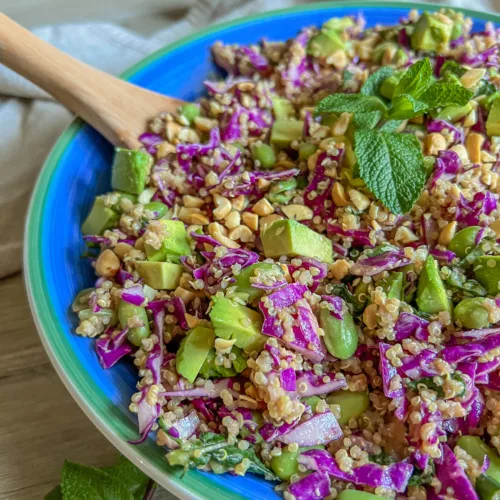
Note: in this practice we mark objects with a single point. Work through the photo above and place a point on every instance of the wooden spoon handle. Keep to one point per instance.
(117, 109)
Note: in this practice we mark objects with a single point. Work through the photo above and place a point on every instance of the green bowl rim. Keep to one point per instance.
(47, 326)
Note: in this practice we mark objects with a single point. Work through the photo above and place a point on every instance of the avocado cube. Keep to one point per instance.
(284, 132)
(174, 246)
(293, 239)
(431, 292)
(234, 321)
(282, 108)
(454, 113)
(160, 275)
(325, 44)
(100, 218)
(432, 30)
(338, 24)
(193, 351)
(389, 85)
(493, 121)
(130, 170)
(487, 272)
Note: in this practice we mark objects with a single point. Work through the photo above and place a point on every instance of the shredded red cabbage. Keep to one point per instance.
(314, 486)
(111, 349)
(321, 428)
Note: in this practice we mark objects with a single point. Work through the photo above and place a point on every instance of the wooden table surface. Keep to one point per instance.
(40, 423)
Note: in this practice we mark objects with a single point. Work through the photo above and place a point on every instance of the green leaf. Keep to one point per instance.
(391, 125)
(374, 81)
(392, 167)
(55, 494)
(349, 103)
(80, 482)
(416, 79)
(366, 120)
(129, 476)
(452, 68)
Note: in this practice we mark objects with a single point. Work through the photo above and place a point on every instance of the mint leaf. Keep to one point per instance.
(366, 120)
(416, 79)
(452, 68)
(439, 95)
(391, 125)
(55, 494)
(89, 483)
(374, 81)
(391, 166)
(349, 103)
(129, 476)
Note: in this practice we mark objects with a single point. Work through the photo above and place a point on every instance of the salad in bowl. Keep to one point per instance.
(303, 265)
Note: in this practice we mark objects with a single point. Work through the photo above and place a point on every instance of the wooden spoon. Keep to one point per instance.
(117, 109)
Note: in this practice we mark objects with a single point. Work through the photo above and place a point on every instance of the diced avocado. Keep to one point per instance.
(454, 113)
(174, 246)
(193, 351)
(234, 321)
(130, 170)
(99, 219)
(211, 370)
(393, 285)
(357, 495)
(487, 488)
(478, 450)
(458, 23)
(293, 239)
(379, 51)
(244, 283)
(160, 275)
(487, 272)
(284, 132)
(326, 43)
(338, 23)
(352, 404)
(431, 292)
(432, 31)
(493, 121)
(389, 85)
(283, 108)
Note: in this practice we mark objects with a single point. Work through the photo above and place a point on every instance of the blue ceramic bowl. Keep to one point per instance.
(76, 171)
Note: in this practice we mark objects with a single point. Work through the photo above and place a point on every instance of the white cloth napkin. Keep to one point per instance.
(30, 121)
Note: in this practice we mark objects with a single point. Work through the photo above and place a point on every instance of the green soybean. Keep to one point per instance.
(264, 154)
(472, 313)
(81, 301)
(157, 207)
(306, 150)
(190, 111)
(85, 314)
(478, 450)
(286, 464)
(362, 292)
(341, 335)
(464, 241)
(487, 272)
(311, 401)
(352, 404)
(137, 333)
(356, 495)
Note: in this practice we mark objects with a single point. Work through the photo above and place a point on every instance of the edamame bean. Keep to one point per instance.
(286, 464)
(85, 314)
(135, 334)
(264, 154)
(123, 196)
(190, 111)
(311, 401)
(282, 192)
(472, 313)
(464, 241)
(362, 292)
(478, 450)
(356, 495)
(487, 272)
(81, 301)
(341, 335)
(306, 150)
(352, 404)
(158, 208)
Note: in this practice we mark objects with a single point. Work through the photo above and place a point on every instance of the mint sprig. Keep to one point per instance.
(392, 167)
(122, 481)
(391, 163)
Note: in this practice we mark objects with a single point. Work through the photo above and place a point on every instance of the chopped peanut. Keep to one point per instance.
(224, 240)
(433, 143)
(192, 321)
(471, 77)
(370, 316)
(251, 220)
(495, 226)
(239, 203)
(107, 264)
(338, 195)
(263, 207)
(232, 220)
(447, 233)
(186, 295)
(242, 233)
(223, 206)
(461, 152)
(473, 143)
(121, 249)
(215, 227)
(360, 201)
(298, 212)
(164, 149)
(192, 201)
(342, 124)
(405, 235)
(340, 269)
